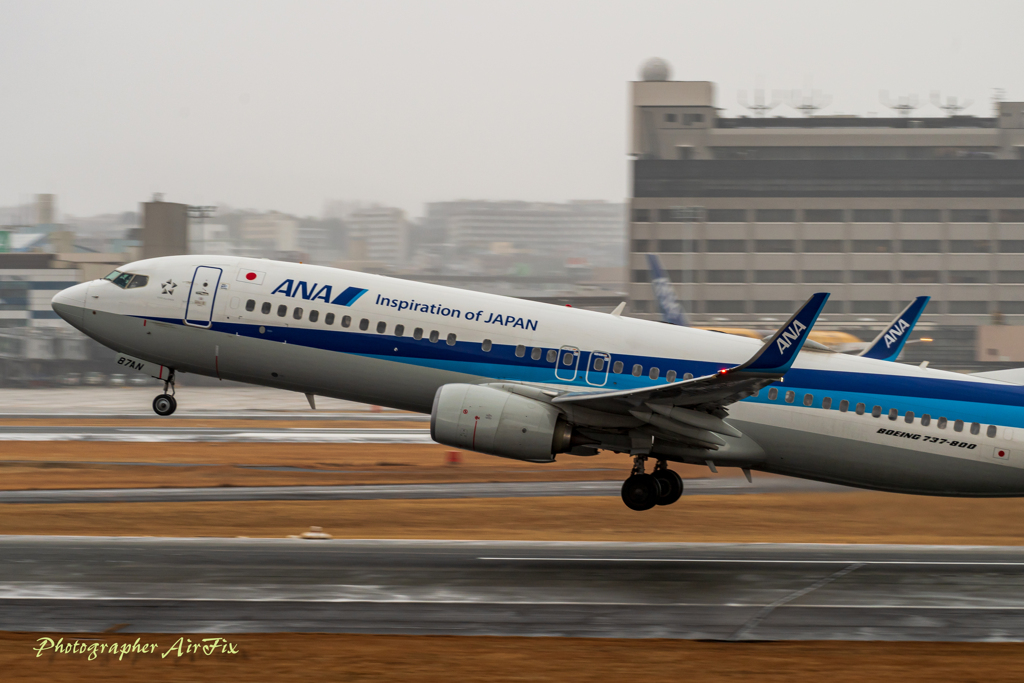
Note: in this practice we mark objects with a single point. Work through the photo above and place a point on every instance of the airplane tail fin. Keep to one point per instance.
(671, 311)
(888, 344)
(779, 352)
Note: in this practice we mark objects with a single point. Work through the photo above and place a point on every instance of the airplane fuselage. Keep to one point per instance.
(393, 342)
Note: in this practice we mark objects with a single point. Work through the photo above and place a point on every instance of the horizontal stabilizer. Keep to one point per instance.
(888, 344)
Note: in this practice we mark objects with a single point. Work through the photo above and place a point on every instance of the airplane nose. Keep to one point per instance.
(70, 303)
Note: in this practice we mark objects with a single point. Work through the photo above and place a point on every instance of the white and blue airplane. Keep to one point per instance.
(529, 381)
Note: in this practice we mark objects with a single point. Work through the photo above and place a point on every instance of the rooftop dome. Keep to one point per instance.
(655, 69)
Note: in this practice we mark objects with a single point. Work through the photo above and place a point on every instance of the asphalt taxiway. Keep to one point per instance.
(701, 591)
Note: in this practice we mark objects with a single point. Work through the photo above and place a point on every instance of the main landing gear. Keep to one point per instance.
(164, 404)
(643, 491)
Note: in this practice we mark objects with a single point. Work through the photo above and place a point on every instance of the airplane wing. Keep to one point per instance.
(889, 342)
(671, 311)
(726, 386)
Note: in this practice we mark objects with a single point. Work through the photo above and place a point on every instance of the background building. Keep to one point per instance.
(164, 228)
(751, 215)
(378, 235)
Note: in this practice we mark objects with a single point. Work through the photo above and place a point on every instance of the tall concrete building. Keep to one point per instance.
(269, 234)
(751, 215)
(592, 229)
(164, 228)
(378, 234)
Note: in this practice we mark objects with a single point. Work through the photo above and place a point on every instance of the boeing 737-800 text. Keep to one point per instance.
(529, 381)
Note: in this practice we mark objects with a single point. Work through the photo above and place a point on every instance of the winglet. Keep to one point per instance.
(671, 311)
(779, 352)
(889, 342)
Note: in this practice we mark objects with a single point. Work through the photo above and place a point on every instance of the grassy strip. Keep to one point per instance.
(305, 657)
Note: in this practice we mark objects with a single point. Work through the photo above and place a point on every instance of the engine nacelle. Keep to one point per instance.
(499, 423)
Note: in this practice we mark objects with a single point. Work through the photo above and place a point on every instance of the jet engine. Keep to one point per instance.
(499, 423)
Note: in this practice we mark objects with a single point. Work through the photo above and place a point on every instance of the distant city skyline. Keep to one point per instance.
(287, 107)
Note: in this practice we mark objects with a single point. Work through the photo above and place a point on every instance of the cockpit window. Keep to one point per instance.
(120, 279)
(127, 280)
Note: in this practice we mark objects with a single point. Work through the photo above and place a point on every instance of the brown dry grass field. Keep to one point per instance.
(70, 464)
(862, 517)
(190, 423)
(315, 657)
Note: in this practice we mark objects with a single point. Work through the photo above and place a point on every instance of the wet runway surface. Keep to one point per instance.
(707, 591)
(215, 435)
(719, 486)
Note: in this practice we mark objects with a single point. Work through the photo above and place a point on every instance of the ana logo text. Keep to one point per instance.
(317, 292)
(791, 334)
(895, 332)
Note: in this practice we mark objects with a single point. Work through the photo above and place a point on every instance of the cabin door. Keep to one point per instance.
(597, 368)
(201, 295)
(567, 364)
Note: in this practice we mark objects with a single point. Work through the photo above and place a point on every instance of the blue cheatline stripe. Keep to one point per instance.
(973, 402)
(349, 296)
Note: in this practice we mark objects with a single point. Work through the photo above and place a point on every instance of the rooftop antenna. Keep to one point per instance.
(759, 107)
(902, 105)
(809, 102)
(953, 105)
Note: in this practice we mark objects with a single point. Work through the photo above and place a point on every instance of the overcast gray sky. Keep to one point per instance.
(285, 105)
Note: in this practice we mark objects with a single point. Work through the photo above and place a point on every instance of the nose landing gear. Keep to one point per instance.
(643, 491)
(165, 404)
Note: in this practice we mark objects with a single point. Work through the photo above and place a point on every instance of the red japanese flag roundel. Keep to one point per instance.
(254, 277)
(1000, 454)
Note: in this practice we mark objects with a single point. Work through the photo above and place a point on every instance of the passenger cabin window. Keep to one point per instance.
(535, 354)
(876, 411)
(909, 417)
(346, 321)
(808, 399)
(314, 316)
(670, 376)
(942, 423)
(687, 375)
(138, 281)
(637, 370)
(250, 305)
(860, 408)
(552, 355)
(382, 327)
(265, 309)
(653, 374)
(773, 394)
(364, 324)
(520, 351)
(617, 367)
(844, 405)
(417, 333)
(893, 413)
(975, 428)
(297, 314)
(451, 339)
(926, 420)
(826, 403)
(329, 319)
(958, 426)
(486, 346)
(282, 311)
(434, 336)
(991, 432)
(790, 396)
(399, 330)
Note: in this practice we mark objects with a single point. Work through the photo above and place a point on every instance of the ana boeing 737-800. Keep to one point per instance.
(529, 381)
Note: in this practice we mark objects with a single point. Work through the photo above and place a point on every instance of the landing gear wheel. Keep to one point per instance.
(670, 486)
(164, 405)
(640, 492)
